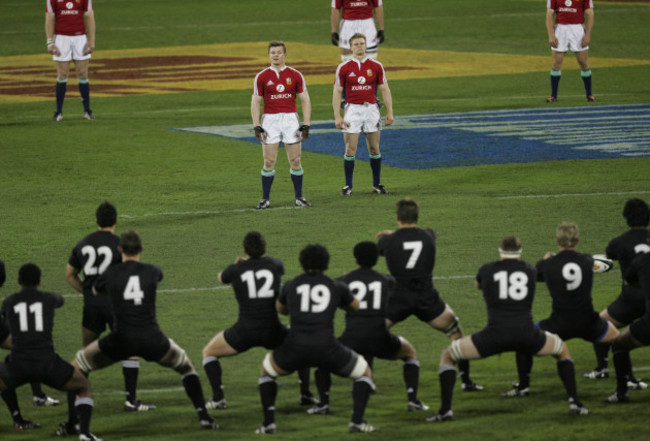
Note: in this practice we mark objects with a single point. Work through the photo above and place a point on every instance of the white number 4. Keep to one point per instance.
(133, 290)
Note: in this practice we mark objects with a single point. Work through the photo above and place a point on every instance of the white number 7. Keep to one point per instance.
(416, 248)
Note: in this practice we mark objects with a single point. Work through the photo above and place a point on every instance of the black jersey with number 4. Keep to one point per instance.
(312, 300)
(131, 287)
(508, 289)
(627, 246)
(29, 315)
(256, 283)
(93, 255)
(569, 276)
(410, 256)
(372, 290)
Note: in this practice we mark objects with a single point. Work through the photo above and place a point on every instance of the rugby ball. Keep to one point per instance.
(602, 264)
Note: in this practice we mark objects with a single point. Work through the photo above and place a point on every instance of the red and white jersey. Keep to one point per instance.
(356, 9)
(279, 89)
(360, 80)
(69, 15)
(569, 11)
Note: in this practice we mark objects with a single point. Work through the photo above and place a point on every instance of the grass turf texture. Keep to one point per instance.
(54, 175)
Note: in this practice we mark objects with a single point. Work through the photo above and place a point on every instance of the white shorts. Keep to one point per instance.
(362, 118)
(71, 47)
(347, 28)
(281, 127)
(569, 38)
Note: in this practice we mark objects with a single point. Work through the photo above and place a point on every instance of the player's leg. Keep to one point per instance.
(268, 389)
(410, 373)
(355, 367)
(81, 69)
(556, 74)
(79, 385)
(11, 400)
(372, 141)
(294, 153)
(635, 336)
(62, 73)
(351, 143)
(585, 72)
(270, 154)
(448, 322)
(217, 347)
(323, 379)
(40, 398)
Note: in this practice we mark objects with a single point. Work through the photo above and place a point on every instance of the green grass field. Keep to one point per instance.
(192, 197)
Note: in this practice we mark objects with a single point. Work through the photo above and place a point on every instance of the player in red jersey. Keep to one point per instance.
(356, 16)
(278, 86)
(68, 38)
(360, 78)
(569, 24)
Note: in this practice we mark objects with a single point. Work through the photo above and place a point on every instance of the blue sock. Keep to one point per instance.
(348, 166)
(296, 178)
(556, 75)
(84, 90)
(267, 181)
(61, 87)
(586, 78)
(375, 165)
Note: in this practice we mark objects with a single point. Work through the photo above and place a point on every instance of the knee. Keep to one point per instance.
(445, 358)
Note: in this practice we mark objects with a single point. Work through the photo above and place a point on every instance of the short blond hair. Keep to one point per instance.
(356, 37)
(567, 234)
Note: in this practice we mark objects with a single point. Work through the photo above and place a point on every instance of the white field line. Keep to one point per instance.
(571, 195)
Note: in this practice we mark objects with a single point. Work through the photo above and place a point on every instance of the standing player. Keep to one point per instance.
(508, 289)
(569, 276)
(93, 255)
(278, 86)
(410, 256)
(351, 17)
(131, 287)
(637, 334)
(68, 38)
(30, 318)
(569, 24)
(630, 304)
(311, 300)
(256, 282)
(366, 331)
(360, 77)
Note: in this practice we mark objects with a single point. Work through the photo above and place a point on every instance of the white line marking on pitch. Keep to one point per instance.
(570, 195)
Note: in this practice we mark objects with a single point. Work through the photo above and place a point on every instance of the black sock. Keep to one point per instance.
(192, 385)
(9, 397)
(37, 390)
(360, 393)
(84, 410)
(213, 370)
(447, 379)
(411, 374)
(623, 366)
(323, 383)
(84, 91)
(61, 88)
(268, 391)
(463, 370)
(602, 350)
(130, 370)
(73, 418)
(348, 168)
(566, 371)
(524, 366)
(303, 381)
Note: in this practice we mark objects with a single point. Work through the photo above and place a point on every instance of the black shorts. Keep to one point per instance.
(150, 345)
(425, 305)
(4, 331)
(97, 318)
(641, 330)
(591, 328)
(242, 337)
(628, 306)
(51, 370)
(529, 340)
(333, 357)
(382, 344)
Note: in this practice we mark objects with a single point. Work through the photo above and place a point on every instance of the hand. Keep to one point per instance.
(384, 233)
(89, 49)
(260, 133)
(335, 38)
(305, 132)
(53, 50)
(553, 41)
(340, 123)
(380, 36)
(585, 41)
(389, 119)
(549, 254)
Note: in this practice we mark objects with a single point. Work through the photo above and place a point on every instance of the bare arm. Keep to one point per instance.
(281, 308)
(305, 102)
(334, 20)
(90, 31)
(550, 27)
(336, 106)
(589, 25)
(72, 276)
(388, 102)
(256, 103)
(49, 33)
(379, 17)
(354, 306)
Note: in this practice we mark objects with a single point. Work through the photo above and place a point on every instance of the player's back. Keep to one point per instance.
(410, 256)
(93, 255)
(509, 290)
(627, 246)
(569, 276)
(30, 318)
(312, 300)
(372, 289)
(132, 287)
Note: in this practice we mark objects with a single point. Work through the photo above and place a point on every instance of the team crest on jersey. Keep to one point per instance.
(288, 81)
(369, 72)
(361, 80)
(568, 3)
(280, 88)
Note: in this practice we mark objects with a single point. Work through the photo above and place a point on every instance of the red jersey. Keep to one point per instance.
(356, 9)
(569, 11)
(360, 80)
(279, 89)
(69, 15)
